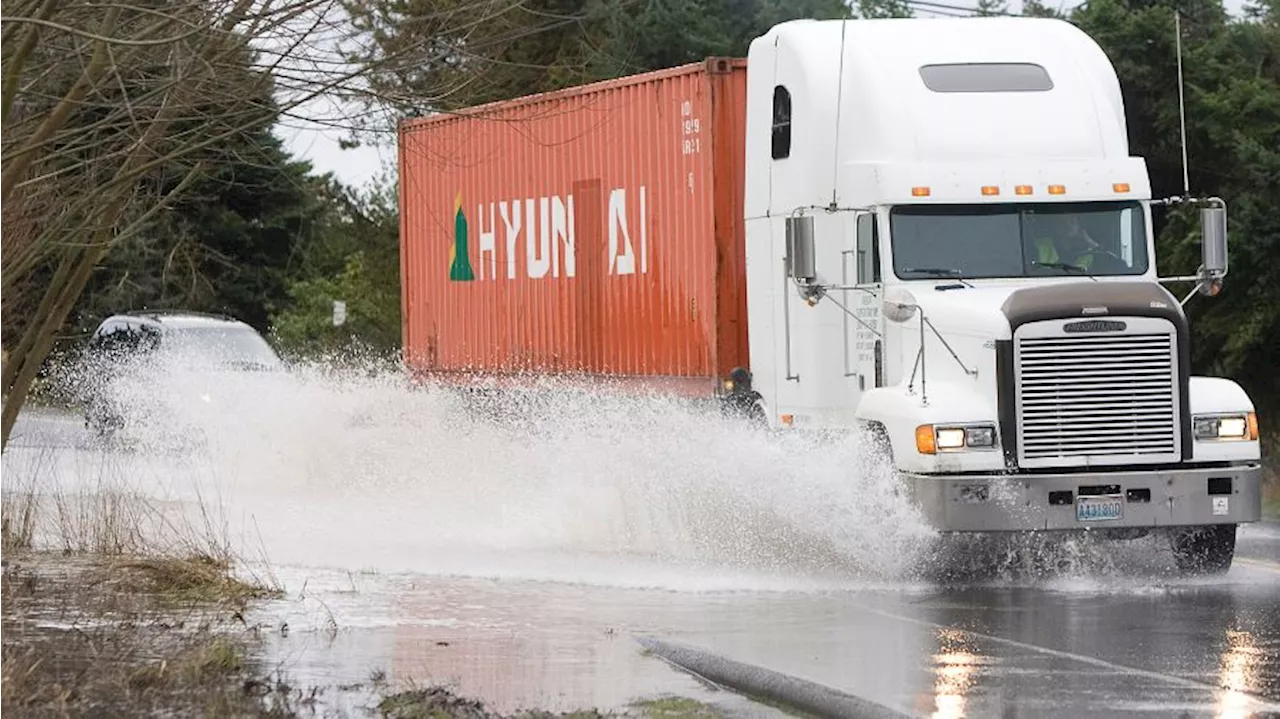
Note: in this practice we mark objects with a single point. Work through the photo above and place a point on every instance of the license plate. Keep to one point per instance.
(1099, 509)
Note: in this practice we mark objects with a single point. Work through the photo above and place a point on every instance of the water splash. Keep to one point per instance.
(360, 468)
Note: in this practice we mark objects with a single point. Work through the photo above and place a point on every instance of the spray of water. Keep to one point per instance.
(360, 468)
(350, 466)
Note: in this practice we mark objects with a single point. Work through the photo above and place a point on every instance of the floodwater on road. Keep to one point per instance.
(1072, 648)
(520, 563)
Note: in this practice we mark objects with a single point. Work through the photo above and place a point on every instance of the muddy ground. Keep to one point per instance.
(119, 636)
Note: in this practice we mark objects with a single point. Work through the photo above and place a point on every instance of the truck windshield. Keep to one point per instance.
(1022, 240)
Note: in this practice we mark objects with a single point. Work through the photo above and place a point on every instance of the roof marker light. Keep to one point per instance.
(1120, 187)
(919, 192)
(1057, 190)
(990, 190)
(1023, 189)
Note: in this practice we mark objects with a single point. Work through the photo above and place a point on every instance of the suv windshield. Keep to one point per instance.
(236, 346)
(1022, 240)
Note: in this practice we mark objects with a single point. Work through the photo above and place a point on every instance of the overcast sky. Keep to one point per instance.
(320, 144)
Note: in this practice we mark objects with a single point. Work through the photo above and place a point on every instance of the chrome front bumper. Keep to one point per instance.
(999, 503)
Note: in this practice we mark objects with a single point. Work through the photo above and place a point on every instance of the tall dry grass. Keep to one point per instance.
(104, 515)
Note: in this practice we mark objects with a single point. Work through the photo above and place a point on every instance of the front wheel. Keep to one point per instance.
(1204, 550)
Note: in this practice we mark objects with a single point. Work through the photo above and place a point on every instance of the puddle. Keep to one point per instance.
(515, 645)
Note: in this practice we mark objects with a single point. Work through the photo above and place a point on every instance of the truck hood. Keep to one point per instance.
(990, 312)
(969, 311)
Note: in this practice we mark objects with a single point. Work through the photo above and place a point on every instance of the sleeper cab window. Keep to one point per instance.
(781, 123)
(986, 77)
(868, 244)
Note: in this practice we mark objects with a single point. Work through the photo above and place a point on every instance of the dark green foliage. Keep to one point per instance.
(226, 246)
(354, 258)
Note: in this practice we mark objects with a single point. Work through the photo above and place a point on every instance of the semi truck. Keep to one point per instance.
(930, 231)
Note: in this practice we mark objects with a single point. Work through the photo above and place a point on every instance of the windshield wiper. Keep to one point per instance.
(935, 271)
(941, 272)
(1066, 266)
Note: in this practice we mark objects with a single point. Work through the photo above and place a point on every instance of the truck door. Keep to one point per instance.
(863, 331)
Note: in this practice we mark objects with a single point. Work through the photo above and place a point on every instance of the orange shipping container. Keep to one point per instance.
(596, 230)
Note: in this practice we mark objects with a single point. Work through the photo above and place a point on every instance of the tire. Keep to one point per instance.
(101, 421)
(1207, 550)
(880, 449)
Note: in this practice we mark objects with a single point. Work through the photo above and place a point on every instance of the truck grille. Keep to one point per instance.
(1097, 397)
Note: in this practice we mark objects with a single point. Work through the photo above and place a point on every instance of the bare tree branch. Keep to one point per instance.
(104, 38)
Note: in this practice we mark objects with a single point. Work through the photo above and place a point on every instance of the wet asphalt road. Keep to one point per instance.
(1081, 648)
(1130, 641)
(40, 428)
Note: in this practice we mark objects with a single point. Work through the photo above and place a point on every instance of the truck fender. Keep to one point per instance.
(893, 414)
(1210, 395)
(1218, 395)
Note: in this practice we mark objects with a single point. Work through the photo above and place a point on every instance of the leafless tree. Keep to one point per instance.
(111, 110)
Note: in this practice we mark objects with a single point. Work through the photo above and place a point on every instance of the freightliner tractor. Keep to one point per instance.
(949, 244)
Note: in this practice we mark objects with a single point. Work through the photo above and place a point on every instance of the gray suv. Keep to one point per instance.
(137, 341)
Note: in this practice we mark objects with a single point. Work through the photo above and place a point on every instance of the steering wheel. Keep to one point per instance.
(1118, 266)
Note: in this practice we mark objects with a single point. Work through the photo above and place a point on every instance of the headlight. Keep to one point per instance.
(950, 438)
(1226, 427)
(932, 439)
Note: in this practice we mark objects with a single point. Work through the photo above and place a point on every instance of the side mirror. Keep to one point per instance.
(800, 252)
(1213, 228)
(898, 312)
(899, 306)
(1213, 249)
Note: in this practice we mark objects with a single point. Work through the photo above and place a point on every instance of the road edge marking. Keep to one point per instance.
(1259, 564)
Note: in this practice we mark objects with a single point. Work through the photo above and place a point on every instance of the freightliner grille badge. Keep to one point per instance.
(1095, 326)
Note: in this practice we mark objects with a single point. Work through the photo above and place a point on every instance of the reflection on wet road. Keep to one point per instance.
(1129, 640)
(1077, 648)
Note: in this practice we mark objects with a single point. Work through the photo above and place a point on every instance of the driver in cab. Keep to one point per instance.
(1061, 241)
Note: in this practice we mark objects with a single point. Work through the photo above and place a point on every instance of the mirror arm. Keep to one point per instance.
(915, 367)
(856, 318)
(855, 288)
(1194, 291)
(963, 366)
(1207, 281)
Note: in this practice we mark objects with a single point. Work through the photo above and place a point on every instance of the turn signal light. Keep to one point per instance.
(924, 440)
(1057, 190)
(1253, 426)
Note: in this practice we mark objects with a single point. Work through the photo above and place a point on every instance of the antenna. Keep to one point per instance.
(1182, 110)
(1213, 219)
(835, 169)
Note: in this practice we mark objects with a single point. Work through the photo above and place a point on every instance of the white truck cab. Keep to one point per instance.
(948, 243)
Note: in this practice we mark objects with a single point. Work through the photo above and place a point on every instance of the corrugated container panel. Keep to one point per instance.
(596, 230)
